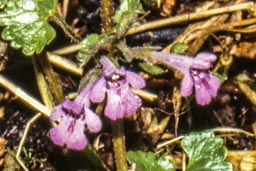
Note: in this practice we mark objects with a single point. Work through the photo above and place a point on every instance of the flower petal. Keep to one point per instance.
(74, 139)
(114, 108)
(83, 99)
(83, 95)
(206, 56)
(97, 93)
(179, 62)
(203, 60)
(132, 102)
(72, 106)
(57, 113)
(202, 95)
(135, 80)
(108, 67)
(121, 71)
(77, 139)
(187, 83)
(208, 88)
(58, 135)
(92, 120)
(200, 65)
(214, 84)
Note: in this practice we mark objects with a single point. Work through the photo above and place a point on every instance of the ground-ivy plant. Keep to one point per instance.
(110, 92)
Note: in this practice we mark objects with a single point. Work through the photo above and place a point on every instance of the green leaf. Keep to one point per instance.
(179, 48)
(26, 25)
(125, 16)
(152, 69)
(206, 152)
(149, 162)
(127, 7)
(90, 45)
(89, 41)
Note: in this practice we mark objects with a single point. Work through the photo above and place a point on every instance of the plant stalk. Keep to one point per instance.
(119, 145)
(66, 28)
(107, 12)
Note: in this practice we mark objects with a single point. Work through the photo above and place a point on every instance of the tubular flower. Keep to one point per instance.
(72, 116)
(195, 73)
(116, 83)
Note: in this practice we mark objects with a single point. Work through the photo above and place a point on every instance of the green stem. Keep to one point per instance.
(66, 28)
(107, 11)
(119, 145)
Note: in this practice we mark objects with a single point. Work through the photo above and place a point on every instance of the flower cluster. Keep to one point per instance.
(73, 116)
(195, 72)
(115, 83)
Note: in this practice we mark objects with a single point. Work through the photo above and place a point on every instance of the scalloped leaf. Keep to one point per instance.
(206, 152)
(146, 161)
(26, 25)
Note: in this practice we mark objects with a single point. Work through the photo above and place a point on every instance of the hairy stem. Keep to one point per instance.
(66, 28)
(119, 145)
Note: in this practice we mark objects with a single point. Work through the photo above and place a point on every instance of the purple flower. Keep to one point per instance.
(116, 84)
(195, 73)
(72, 117)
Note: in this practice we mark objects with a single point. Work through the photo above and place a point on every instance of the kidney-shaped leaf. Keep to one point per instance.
(206, 152)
